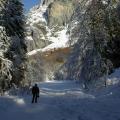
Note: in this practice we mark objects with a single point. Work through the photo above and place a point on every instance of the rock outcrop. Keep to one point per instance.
(88, 29)
(44, 40)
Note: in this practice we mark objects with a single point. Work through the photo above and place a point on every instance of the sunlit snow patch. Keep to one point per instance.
(114, 78)
(19, 101)
(58, 42)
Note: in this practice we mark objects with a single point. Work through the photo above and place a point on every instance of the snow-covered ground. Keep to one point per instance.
(58, 102)
(64, 100)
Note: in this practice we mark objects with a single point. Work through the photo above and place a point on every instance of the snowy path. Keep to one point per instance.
(63, 101)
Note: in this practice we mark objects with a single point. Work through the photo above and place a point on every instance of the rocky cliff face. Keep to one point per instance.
(60, 12)
(47, 34)
(47, 2)
(79, 35)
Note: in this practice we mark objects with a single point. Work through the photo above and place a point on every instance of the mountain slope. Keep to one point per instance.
(82, 26)
(42, 37)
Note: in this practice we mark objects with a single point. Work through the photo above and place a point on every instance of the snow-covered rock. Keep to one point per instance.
(41, 38)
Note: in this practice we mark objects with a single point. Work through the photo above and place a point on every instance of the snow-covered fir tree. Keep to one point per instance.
(94, 28)
(12, 44)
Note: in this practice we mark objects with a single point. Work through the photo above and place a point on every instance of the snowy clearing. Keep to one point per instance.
(63, 100)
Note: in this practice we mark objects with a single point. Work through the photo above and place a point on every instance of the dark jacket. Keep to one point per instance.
(35, 90)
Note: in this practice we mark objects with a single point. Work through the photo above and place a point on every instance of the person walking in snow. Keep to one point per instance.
(35, 93)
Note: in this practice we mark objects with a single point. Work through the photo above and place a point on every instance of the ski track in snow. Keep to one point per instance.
(63, 100)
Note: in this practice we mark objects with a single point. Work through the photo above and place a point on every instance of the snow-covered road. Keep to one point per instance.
(63, 100)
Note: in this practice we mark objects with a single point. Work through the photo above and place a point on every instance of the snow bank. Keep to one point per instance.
(114, 78)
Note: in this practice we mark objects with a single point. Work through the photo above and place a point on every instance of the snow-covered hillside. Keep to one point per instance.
(36, 21)
(43, 40)
(56, 42)
(64, 100)
(57, 24)
(36, 15)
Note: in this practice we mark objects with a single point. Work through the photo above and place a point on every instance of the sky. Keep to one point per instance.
(30, 3)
